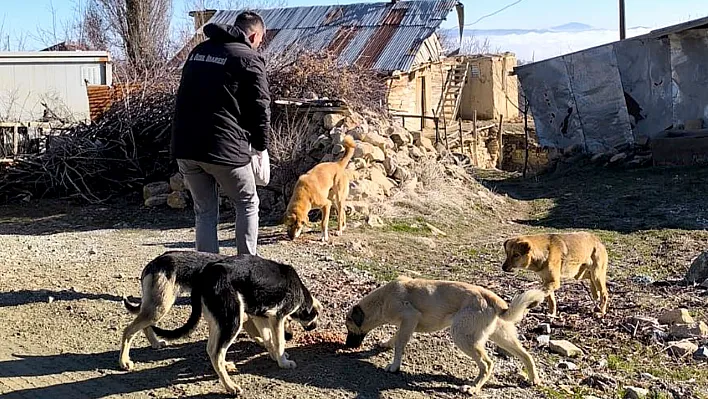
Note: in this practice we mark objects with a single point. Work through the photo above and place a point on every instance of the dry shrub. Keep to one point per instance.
(322, 74)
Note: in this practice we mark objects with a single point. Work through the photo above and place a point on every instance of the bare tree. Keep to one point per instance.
(136, 28)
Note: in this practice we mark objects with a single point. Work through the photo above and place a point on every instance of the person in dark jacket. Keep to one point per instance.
(222, 118)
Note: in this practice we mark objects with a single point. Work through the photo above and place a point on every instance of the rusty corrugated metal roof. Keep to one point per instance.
(382, 36)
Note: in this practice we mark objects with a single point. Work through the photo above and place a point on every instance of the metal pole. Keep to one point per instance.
(623, 33)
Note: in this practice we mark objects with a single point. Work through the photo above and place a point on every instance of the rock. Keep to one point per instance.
(337, 149)
(403, 158)
(567, 366)
(698, 271)
(50, 299)
(337, 135)
(683, 331)
(378, 140)
(92, 251)
(156, 188)
(618, 158)
(564, 348)
(374, 221)
(704, 284)
(357, 133)
(379, 177)
(409, 185)
(369, 152)
(401, 174)
(590, 397)
(400, 136)
(157, 200)
(390, 165)
(676, 316)
(701, 354)
(330, 121)
(364, 189)
(177, 200)
(643, 280)
(543, 328)
(177, 182)
(681, 348)
(635, 393)
(415, 153)
(359, 163)
(426, 143)
(358, 207)
(543, 340)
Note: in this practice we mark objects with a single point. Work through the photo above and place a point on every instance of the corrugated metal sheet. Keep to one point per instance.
(610, 95)
(383, 36)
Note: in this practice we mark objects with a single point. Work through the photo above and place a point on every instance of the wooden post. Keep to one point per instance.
(623, 32)
(15, 141)
(462, 140)
(474, 138)
(500, 159)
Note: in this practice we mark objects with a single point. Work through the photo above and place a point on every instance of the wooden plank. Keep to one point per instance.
(500, 134)
(474, 137)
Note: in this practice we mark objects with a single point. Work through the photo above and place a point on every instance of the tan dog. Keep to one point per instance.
(474, 315)
(579, 255)
(320, 187)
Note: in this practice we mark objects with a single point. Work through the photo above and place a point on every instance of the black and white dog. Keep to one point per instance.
(162, 280)
(246, 287)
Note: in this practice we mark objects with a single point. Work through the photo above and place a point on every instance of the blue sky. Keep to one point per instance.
(23, 17)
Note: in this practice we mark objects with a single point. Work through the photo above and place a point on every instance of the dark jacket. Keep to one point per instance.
(223, 101)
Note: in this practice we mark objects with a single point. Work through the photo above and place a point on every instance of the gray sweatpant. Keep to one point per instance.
(239, 185)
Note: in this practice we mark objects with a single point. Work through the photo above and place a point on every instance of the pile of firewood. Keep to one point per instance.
(126, 148)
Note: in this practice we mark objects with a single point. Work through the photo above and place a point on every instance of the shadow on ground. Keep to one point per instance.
(56, 216)
(319, 365)
(618, 200)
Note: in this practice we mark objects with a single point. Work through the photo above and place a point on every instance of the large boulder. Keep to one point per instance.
(177, 200)
(177, 182)
(379, 177)
(156, 188)
(698, 272)
(330, 121)
(369, 152)
(363, 189)
(378, 140)
(400, 136)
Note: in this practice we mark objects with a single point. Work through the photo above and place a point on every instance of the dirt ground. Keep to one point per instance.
(65, 269)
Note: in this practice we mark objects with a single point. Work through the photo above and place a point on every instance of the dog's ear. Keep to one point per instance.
(287, 219)
(506, 244)
(357, 316)
(523, 247)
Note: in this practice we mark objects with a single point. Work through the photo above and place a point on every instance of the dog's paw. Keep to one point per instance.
(230, 367)
(232, 388)
(287, 364)
(127, 365)
(338, 232)
(393, 368)
(275, 357)
(159, 344)
(469, 390)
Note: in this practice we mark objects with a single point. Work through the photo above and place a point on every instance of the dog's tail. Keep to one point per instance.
(520, 303)
(187, 328)
(131, 307)
(350, 146)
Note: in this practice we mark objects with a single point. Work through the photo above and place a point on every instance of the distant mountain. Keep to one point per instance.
(572, 27)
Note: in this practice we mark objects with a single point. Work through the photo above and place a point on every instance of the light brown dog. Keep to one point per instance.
(321, 187)
(554, 257)
(474, 315)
